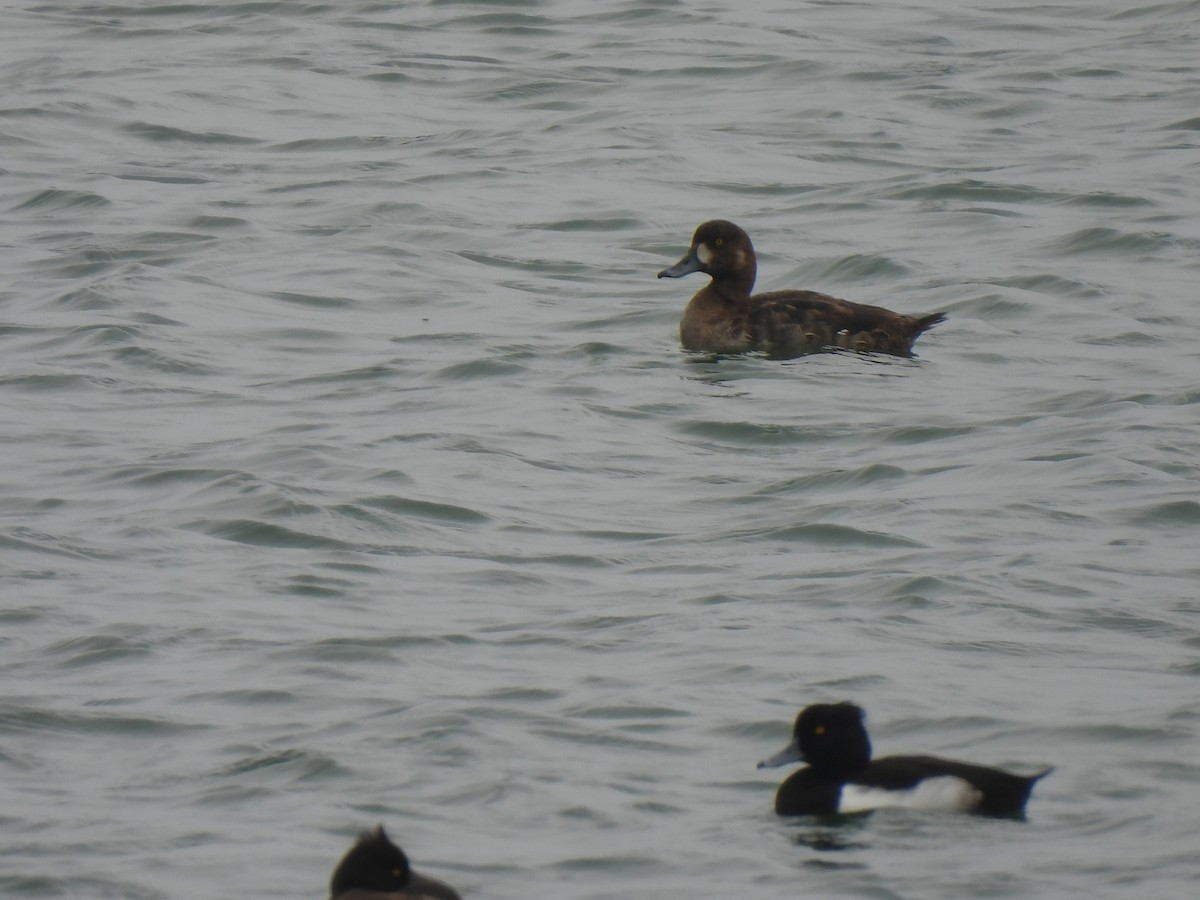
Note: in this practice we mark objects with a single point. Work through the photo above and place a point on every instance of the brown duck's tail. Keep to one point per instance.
(924, 323)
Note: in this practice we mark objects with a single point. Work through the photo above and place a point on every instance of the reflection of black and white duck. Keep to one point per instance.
(841, 777)
(724, 317)
(376, 869)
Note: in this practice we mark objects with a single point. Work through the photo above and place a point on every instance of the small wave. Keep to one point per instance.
(830, 535)
(53, 200)
(161, 134)
(1100, 240)
(15, 719)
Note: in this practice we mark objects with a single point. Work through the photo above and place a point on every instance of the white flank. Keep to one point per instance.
(944, 793)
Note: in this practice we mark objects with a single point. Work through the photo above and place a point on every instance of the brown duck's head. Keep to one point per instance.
(720, 249)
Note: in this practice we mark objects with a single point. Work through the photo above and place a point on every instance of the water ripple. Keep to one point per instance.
(355, 473)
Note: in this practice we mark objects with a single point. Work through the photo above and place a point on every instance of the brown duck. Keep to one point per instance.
(725, 318)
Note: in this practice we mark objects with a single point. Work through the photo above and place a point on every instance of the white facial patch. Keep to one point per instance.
(942, 794)
(704, 254)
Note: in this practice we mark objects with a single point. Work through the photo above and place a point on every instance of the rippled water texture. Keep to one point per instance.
(353, 472)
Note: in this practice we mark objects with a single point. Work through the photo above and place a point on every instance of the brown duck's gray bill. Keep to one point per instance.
(685, 266)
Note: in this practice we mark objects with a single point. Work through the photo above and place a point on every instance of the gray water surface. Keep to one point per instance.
(353, 472)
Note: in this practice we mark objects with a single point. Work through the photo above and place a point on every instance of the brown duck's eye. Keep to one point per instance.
(820, 729)
(719, 241)
(396, 873)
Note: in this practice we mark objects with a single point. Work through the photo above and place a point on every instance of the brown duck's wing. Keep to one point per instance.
(791, 323)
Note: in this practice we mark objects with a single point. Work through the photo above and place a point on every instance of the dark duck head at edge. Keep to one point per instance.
(376, 869)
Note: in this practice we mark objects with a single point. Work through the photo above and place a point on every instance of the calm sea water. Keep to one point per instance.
(353, 473)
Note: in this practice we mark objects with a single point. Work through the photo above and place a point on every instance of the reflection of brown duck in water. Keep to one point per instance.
(724, 318)
(376, 869)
